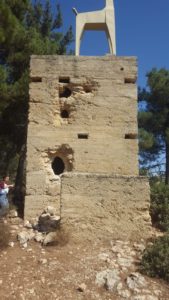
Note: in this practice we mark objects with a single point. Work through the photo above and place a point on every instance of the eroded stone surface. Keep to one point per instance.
(83, 120)
(81, 110)
(105, 206)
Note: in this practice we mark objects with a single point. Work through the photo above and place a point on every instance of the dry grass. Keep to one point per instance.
(4, 235)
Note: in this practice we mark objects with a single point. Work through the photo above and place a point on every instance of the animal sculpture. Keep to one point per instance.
(97, 20)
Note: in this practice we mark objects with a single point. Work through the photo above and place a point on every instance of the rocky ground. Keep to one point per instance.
(92, 270)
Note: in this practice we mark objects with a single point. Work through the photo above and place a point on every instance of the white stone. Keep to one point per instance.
(43, 280)
(50, 238)
(31, 235)
(51, 210)
(135, 281)
(124, 294)
(82, 287)
(125, 262)
(24, 245)
(39, 237)
(31, 291)
(23, 237)
(144, 297)
(108, 278)
(55, 218)
(103, 256)
(139, 247)
(13, 213)
(28, 225)
(43, 261)
(45, 215)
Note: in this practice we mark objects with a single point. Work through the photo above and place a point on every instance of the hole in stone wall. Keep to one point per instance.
(64, 114)
(83, 135)
(121, 69)
(131, 136)
(87, 89)
(58, 165)
(36, 79)
(65, 92)
(129, 80)
(64, 79)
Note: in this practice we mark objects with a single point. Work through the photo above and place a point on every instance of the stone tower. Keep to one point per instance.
(82, 147)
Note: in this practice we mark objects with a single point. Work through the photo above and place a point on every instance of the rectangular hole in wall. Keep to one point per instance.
(63, 79)
(36, 79)
(83, 136)
(130, 80)
(131, 136)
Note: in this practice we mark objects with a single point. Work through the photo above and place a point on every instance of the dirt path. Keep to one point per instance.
(69, 272)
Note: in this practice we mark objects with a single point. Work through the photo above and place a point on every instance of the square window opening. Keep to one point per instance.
(64, 79)
(83, 136)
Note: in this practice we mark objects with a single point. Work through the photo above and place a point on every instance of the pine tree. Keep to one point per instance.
(154, 118)
(25, 29)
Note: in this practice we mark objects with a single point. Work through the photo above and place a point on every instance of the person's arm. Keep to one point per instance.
(10, 185)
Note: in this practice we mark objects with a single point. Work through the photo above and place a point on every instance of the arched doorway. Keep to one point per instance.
(58, 165)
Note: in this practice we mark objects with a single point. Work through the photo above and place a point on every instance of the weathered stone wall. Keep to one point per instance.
(102, 105)
(98, 206)
(83, 111)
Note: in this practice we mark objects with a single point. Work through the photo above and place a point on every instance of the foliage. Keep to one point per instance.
(26, 28)
(154, 119)
(159, 208)
(155, 260)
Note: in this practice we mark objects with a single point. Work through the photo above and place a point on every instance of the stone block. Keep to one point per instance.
(102, 206)
(36, 204)
(36, 183)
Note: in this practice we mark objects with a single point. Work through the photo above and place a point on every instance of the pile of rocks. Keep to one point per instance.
(42, 230)
(122, 277)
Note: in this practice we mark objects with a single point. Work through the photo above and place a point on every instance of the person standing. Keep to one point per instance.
(4, 189)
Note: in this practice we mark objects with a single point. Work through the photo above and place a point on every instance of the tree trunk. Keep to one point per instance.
(19, 193)
(167, 163)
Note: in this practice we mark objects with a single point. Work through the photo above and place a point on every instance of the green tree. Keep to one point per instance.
(26, 28)
(155, 260)
(154, 119)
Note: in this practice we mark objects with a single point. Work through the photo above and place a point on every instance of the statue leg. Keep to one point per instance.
(109, 41)
(79, 33)
(111, 34)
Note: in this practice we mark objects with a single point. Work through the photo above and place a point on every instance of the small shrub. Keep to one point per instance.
(159, 208)
(155, 260)
(4, 235)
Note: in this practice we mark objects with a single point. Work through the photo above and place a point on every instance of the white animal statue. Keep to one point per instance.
(97, 20)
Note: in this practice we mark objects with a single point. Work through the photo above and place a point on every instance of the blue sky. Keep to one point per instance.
(142, 30)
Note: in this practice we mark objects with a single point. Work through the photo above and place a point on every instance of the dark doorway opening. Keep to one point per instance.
(65, 93)
(64, 114)
(58, 165)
